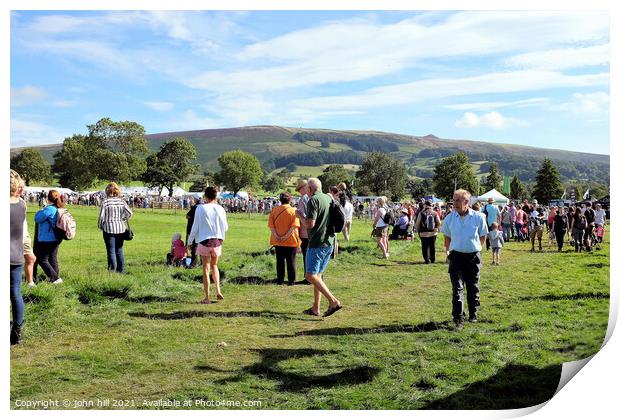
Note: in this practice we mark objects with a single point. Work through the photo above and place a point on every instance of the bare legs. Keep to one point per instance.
(29, 267)
(384, 245)
(320, 288)
(209, 264)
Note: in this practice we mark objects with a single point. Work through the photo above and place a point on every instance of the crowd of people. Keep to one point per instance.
(305, 224)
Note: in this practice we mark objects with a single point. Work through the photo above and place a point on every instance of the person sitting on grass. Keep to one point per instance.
(401, 225)
(496, 241)
(209, 229)
(177, 253)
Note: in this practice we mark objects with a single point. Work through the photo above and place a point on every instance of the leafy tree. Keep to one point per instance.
(383, 175)
(517, 189)
(454, 172)
(494, 179)
(419, 188)
(174, 164)
(291, 167)
(272, 183)
(239, 170)
(334, 175)
(548, 185)
(202, 182)
(77, 163)
(31, 166)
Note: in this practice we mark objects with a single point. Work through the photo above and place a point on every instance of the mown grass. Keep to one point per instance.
(142, 337)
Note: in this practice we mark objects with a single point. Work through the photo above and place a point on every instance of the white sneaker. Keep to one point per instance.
(57, 281)
(33, 284)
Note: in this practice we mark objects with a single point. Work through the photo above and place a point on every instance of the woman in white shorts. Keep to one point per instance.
(208, 231)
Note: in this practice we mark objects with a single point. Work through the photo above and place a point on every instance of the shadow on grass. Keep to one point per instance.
(151, 299)
(396, 328)
(204, 314)
(267, 368)
(193, 275)
(270, 251)
(514, 386)
(575, 296)
(597, 265)
(251, 280)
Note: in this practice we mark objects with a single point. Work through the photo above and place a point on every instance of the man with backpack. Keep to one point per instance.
(427, 224)
(589, 215)
(321, 234)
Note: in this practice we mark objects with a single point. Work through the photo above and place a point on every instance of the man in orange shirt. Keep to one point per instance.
(284, 225)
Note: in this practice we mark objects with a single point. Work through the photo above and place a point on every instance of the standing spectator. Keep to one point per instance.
(491, 211)
(550, 216)
(497, 240)
(17, 218)
(380, 228)
(302, 204)
(506, 219)
(520, 218)
(284, 225)
(513, 216)
(465, 231)
(348, 219)
(427, 224)
(599, 221)
(209, 230)
(29, 258)
(188, 228)
(320, 244)
(559, 227)
(46, 244)
(113, 216)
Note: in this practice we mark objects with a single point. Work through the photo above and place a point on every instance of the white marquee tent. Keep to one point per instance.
(500, 199)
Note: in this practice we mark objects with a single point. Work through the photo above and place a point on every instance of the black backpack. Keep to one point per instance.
(335, 222)
(388, 219)
(427, 224)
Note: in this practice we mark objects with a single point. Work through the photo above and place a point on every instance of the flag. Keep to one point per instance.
(563, 195)
(587, 194)
(506, 188)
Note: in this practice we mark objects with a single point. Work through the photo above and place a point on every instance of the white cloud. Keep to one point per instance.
(586, 103)
(424, 90)
(559, 59)
(160, 106)
(25, 132)
(493, 120)
(190, 120)
(484, 106)
(27, 95)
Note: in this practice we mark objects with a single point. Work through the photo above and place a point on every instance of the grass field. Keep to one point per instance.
(140, 337)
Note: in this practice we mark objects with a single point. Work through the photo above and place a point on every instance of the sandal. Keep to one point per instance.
(220, 297)
(332, 309)
(309, 312)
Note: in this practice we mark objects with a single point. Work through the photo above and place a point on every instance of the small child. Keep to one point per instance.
(600, 233)
(497, 240)
(178, 252)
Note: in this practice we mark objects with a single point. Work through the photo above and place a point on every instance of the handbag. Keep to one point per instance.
(128, 234)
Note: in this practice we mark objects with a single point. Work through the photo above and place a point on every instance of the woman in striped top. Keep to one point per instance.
(113, 215)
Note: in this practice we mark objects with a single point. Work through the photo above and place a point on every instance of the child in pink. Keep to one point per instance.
(178, 252)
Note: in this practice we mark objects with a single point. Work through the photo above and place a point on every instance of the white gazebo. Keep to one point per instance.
(500, 199)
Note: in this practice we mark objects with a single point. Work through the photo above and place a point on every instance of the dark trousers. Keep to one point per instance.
(17, 302)
(428, 249)
(285, 254)
(464, 272)
(559, 237)
(304, 249)
(47, 258)
(114, 248)
(520, 236)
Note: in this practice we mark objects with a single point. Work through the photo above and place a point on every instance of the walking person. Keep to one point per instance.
(579, 229)
(491, 211)
(113, 216)
(46, 244)
(506, 219)
(348, 218)
(29, 257)
(559, 227)
(427, 225)
(537, 229)
(209, 230)
(320, 245)
(520, 219)
(188, 228)
(17, 219)
(284, 225)
(497, 241)
(465, 231)
(380, 227)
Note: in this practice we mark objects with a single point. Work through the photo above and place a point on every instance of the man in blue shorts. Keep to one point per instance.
(320, 246)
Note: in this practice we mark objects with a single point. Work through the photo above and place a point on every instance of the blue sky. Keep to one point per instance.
(531, 78)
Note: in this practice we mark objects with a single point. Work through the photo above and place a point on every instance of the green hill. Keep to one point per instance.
(278, 147)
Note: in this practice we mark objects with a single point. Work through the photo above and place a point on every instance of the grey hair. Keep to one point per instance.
(315, 184)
